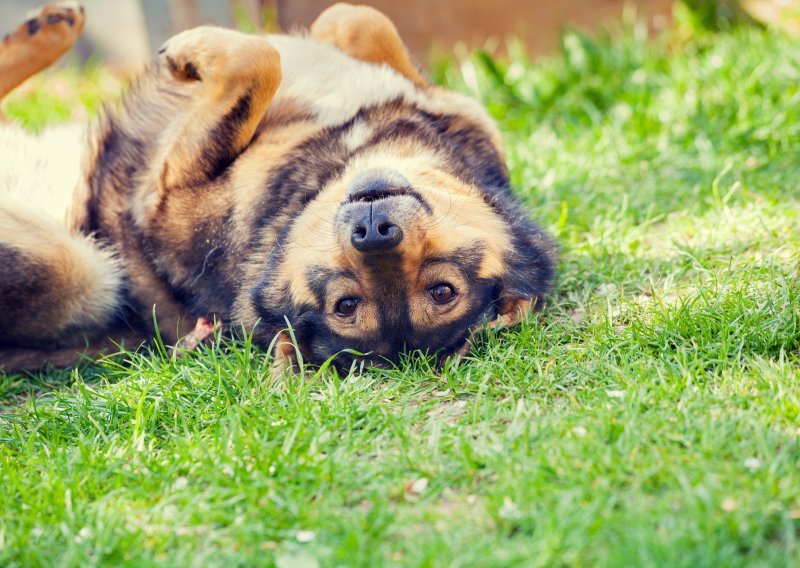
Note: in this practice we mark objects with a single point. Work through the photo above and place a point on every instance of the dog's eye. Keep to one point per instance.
(346, 306)
(442, 293)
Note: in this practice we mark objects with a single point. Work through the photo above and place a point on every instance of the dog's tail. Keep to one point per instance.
(38, 43)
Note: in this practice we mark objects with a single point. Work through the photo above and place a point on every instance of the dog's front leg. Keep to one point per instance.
(228, 80)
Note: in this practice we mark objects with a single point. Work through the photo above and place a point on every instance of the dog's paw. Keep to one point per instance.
(216, 54)
(197, 53)
(52, 30)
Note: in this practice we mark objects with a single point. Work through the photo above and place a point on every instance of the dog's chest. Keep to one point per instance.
(329, 85)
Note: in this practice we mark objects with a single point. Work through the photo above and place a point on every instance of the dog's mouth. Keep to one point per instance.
(374, 194)
(371, 195)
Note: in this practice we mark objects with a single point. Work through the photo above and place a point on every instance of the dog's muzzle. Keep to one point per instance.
(376, 207)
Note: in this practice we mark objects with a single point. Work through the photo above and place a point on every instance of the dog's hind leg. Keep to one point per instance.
(367, 34)
(37, 43)
(56, 288)
(226, 80)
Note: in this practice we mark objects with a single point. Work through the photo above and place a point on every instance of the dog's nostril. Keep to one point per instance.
(360, 232)
(384, 229)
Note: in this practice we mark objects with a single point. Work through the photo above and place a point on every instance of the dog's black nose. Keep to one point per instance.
(374, 231)
(372, 203)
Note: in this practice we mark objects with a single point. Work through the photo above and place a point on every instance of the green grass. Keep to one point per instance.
(649, 417)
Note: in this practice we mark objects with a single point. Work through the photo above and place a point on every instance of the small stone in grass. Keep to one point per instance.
(606, 290)
(305, 536)
(752, 463)
(415, 489)
(419, 486)
(509, 510)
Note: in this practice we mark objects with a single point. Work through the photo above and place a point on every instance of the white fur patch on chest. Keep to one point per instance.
(333, 85)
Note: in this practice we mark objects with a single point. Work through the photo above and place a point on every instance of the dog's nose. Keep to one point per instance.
(374, 231)
(372, 201)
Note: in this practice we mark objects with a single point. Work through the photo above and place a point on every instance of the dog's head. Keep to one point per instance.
(415, 245)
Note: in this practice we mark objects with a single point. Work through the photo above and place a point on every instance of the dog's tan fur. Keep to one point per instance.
(224, 187)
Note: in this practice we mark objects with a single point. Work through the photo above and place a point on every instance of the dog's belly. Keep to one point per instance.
(329, 84)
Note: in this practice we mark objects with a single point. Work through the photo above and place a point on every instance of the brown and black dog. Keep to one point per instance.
(317, 181)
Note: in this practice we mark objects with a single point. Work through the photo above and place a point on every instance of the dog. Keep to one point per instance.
(315, 190)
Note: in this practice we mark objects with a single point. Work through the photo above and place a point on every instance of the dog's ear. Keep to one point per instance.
(511, 311)
(529, 275)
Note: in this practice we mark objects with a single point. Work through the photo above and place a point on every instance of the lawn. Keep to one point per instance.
(649, 416)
